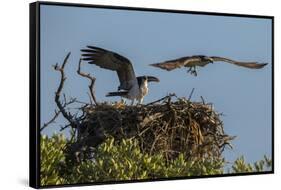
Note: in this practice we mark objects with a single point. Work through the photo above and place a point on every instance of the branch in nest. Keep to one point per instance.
(60, 105)
(161, 99)
(190, 95)
(92, 84)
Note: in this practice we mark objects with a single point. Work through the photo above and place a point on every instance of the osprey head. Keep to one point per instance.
(151, 79)
(145, 79)
(208, 59)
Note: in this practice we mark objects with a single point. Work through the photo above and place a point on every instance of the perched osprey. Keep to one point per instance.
(202, 60)
(131, 87)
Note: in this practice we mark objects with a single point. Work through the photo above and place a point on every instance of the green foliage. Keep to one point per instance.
(123, 160)
(51, 155)
(240, 165)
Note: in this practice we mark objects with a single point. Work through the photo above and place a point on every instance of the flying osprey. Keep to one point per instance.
(202, 60)
(131, 87)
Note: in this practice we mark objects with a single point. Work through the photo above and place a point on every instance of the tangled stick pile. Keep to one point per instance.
(165, 126)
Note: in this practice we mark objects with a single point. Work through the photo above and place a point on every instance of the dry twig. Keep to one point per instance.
(51, 120)
(91, 78)
(61, 106)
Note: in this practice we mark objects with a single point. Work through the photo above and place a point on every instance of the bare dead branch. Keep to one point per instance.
(203, 101)
(51, 120)
(64, 127)
(57, 112)
(71, 101)
(91, 102)
(91, 78)
(161, 99)
(61, 106)
(191, 93)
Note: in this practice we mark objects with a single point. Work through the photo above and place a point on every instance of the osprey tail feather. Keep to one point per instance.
(121, 93)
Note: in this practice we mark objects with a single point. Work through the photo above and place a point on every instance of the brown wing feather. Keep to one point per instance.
(251, 65)
(112, 61)
(178, 63)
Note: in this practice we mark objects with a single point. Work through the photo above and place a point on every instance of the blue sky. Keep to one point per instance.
(243, 95)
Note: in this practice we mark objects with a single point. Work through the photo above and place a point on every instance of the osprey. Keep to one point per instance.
(202, 60)
(131, 87)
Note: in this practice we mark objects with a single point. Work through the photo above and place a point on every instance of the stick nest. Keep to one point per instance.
(165, 126)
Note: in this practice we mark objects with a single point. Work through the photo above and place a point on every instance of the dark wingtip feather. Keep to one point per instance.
(96, 48)
(154, 64)
(86, 50)
(90, 51)
(91, 47)
(87, 55)
(261, 65)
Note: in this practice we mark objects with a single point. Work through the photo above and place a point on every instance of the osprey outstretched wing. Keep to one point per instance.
(201, 60)
(131, 87)
(251, 65)
(111, 61)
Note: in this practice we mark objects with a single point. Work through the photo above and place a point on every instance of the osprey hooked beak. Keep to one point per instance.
(152, 79)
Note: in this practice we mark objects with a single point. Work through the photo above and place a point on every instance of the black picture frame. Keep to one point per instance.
(34, 82)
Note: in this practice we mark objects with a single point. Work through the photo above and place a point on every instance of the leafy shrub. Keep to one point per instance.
(123, 160)
(240, 166)
(51, 155)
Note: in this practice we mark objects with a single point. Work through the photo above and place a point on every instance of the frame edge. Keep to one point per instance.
(34, 141)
